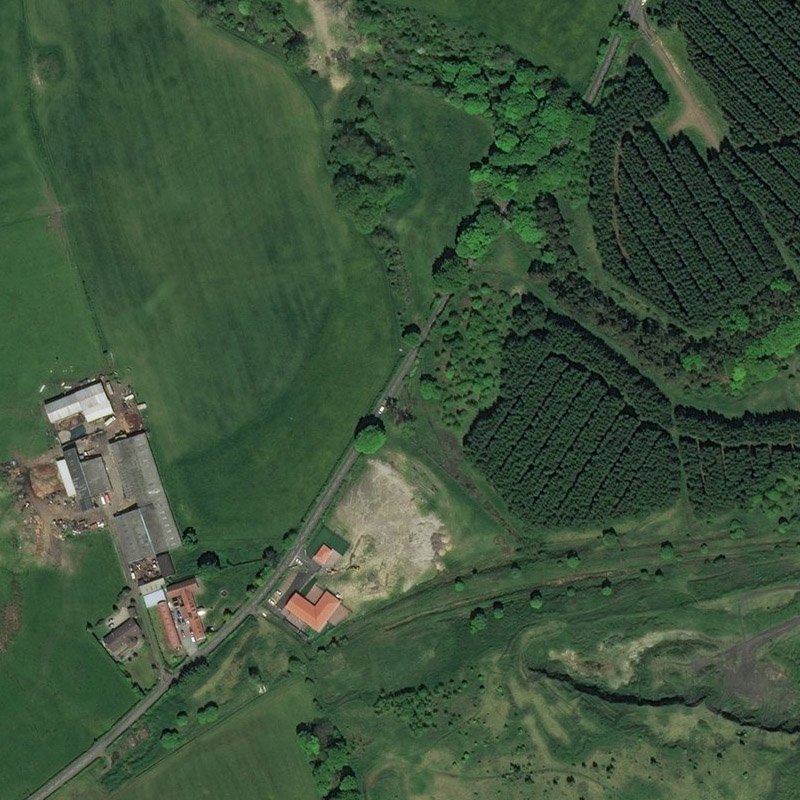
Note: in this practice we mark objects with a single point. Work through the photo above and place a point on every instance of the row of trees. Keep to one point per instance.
(330, 759)
(262, 22)
(747, 51)
(368, 173)
(771, 175)
(564, 444)
(419, 706)
(689, 239)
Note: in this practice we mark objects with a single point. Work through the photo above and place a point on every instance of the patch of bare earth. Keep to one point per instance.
(10, 617)
(693, 114)
(332, 41)
(615, 664)
(394, 543)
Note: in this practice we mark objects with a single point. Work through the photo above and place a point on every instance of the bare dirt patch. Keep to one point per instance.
(615, 664)
(394, 542)
(332, 41)
(10, 617)
(693, 114)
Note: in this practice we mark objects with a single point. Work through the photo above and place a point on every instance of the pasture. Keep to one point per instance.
(233, 295)
(253, 756)
(252, 753)
(38, 277)
(563, 36)
(60, 688)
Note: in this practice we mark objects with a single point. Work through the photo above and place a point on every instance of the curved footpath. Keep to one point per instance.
(167, 677)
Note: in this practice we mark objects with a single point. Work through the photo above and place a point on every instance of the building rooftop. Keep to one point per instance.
(138, 533)
(165, 565)
(124, 637)
(94, 469)
(79, 482)
(91, 401)
(317, 614)
(154, 597)
(326, 556)
(181, 595)
(141, 484)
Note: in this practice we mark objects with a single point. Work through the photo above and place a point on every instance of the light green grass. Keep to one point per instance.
(441, 141)
(60, 688)
(563, 35)
(253, 755)
(46, 332)
(242, 307)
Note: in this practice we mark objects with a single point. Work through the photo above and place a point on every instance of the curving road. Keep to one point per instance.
(167, 677)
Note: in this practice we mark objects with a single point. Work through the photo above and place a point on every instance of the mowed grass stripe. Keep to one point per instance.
(246, 311)
(46, 332)
(253, 756)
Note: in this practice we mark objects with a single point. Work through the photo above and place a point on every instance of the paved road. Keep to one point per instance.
(98, 749)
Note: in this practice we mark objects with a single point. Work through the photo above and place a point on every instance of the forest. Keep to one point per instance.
(577, 435)
(754, 72)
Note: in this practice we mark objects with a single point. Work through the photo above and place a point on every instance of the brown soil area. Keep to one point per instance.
(331, 45)
(693, 115)
(10, 617)
(394, 543)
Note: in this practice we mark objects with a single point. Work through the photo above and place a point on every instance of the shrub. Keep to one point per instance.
(170, 739)
(605, 588)
(370, 438)
(208, 713)
(536, 600)
(477, 620)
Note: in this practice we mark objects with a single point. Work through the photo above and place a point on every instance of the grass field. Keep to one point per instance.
(562, 35)
(60, 688)
(38, 278)
(441, 141)
(234, 297)
(254, 755)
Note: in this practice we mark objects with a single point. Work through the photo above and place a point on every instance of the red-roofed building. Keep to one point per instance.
(171, 632)
(326, 609)
(181, 597)
(326, 556)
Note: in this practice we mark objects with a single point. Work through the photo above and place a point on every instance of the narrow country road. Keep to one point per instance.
(315, 514)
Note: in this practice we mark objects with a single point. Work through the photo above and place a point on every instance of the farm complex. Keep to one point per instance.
(108, 473)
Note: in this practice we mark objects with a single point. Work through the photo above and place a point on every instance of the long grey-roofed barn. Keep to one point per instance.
(75, 467)
(141, 484)
(138, 534)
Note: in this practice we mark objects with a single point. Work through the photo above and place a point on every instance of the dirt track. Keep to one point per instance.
(694, 114)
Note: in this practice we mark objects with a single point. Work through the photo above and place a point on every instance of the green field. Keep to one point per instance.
(562, 35)
(441, 142)
(235, 298)
(46, 331)
(253, 756)
(60, 688)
